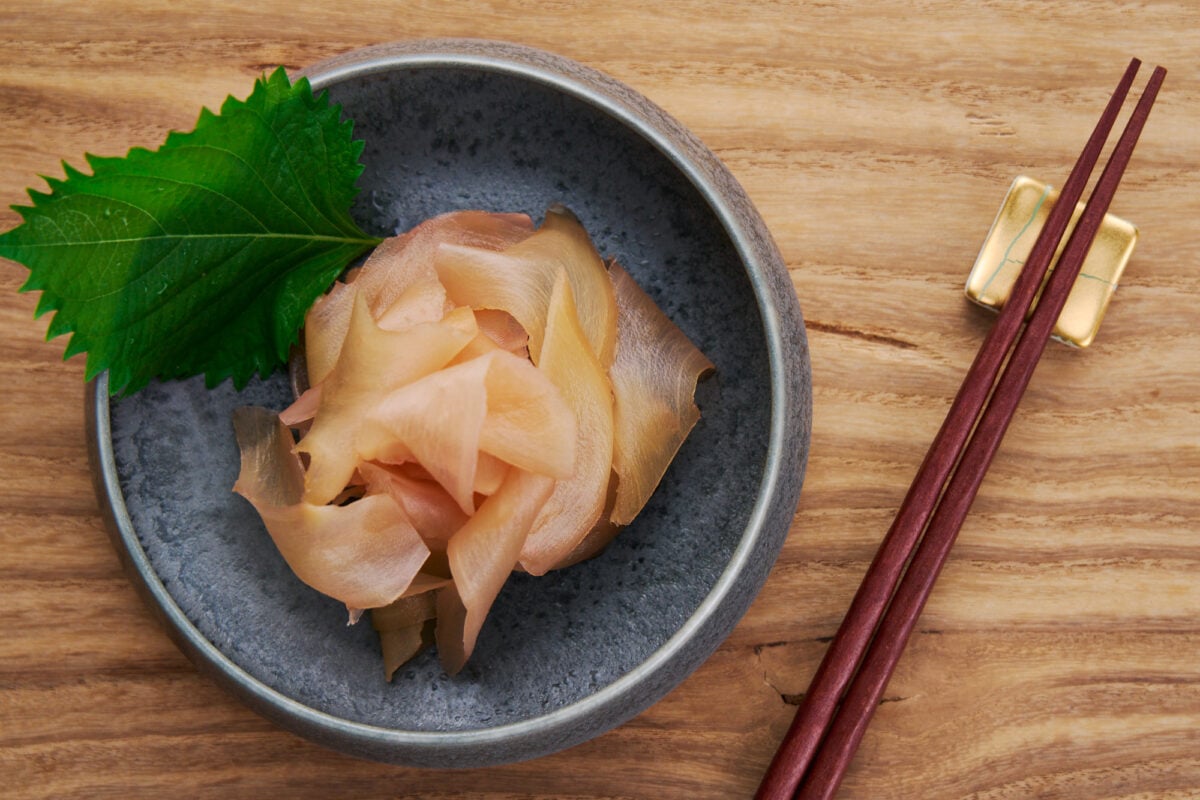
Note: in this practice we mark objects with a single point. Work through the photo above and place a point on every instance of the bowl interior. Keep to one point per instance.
(437, 139)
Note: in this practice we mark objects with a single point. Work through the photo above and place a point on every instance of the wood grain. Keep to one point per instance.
(1058, 657)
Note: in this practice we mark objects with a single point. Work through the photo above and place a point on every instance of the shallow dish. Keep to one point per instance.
(562, 658)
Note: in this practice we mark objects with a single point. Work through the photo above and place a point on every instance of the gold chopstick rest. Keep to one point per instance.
(1016, 227)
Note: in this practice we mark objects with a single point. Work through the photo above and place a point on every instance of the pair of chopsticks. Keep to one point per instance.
(849, 683)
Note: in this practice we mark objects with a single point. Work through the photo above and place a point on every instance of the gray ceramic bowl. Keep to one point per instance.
(562, 658)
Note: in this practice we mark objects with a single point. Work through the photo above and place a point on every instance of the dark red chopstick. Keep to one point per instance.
(820, 703)
(862, 698)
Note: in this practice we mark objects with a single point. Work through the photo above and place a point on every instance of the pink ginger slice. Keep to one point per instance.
(482, 555)
(577, 502)
(520, 280)
(373, 362)
(654, 377)
(365, 554)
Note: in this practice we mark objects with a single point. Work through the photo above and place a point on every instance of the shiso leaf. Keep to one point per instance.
(200, 257)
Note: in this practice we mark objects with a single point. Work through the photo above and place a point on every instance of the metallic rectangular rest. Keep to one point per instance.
(1010, 239)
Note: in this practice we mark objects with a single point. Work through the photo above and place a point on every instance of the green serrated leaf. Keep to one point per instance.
(200, 257)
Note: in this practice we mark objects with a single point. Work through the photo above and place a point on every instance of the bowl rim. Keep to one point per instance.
(777, 493)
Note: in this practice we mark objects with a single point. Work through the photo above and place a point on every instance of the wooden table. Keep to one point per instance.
(1060, 654)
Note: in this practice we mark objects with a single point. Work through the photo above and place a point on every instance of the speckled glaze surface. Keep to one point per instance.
(562, 658)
